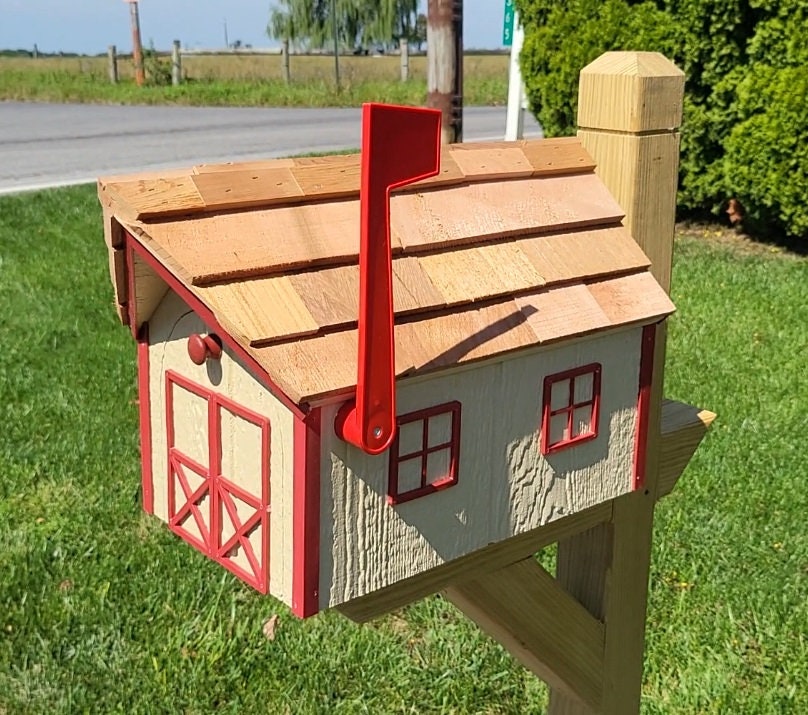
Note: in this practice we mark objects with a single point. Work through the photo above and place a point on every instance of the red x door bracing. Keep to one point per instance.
(223, 515)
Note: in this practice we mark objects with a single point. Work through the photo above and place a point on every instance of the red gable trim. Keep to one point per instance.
(207, 317)
(644, 404)
(144, 411)
(306, 516)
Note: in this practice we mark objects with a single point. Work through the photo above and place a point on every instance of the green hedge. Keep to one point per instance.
(745, 128)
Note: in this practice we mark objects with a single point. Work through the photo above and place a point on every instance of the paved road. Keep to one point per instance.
(44, 145)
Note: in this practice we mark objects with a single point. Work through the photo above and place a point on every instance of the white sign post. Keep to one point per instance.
(515, 120)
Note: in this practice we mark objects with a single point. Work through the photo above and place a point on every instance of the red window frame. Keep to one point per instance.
(569, 438)
(394, 496)
(219, 489)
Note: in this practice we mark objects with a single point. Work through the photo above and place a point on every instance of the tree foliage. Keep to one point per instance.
(745, 128)
(310, 23)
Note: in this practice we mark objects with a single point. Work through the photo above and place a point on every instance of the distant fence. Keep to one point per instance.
(177, 54)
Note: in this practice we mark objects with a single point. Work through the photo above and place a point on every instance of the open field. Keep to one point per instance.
(246, 80)
(102, 610)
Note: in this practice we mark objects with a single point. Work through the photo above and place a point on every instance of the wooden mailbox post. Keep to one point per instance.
(518, 405)
(584, 631)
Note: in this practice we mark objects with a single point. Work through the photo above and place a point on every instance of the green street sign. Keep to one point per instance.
(507, 25)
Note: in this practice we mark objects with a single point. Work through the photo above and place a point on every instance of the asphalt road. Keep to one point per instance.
(46, 145)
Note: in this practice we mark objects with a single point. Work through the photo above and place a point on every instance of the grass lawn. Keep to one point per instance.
(246, 80)
(102, 610)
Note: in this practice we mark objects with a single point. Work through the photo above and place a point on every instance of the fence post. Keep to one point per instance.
(629, 112)
(287, 75)
(112, 64)
(176, 64)
(405, 59)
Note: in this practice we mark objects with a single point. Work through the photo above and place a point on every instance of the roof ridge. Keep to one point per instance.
(277, 183)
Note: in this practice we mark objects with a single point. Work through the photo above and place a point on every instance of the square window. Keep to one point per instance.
(559, 395)
(425, 453)
(409, 474)
(570, 408)
(438, 466)
(410, 438)
(558, 428)
(581, 421)
(440, 429)
(583, 388)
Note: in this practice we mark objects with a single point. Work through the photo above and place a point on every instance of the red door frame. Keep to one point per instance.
(219, 489)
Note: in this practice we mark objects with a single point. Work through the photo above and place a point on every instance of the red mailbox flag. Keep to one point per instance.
(400, 145)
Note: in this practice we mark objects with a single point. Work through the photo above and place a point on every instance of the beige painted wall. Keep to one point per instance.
(505, 485)
(169, 328)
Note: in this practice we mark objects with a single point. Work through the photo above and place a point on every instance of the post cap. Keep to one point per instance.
(631, 92)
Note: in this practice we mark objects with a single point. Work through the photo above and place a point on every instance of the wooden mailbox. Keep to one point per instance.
(358, 423)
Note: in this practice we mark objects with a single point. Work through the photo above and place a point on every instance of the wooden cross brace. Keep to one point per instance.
(583, 630)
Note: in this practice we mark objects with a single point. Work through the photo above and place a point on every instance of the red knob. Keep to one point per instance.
(202, 347)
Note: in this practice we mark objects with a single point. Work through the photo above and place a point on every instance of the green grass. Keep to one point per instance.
(247, 81)
(102, 610)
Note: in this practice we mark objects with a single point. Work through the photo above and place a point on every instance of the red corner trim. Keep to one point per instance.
(207, 317)
(144, 410)
(306, 508)
(644, 404)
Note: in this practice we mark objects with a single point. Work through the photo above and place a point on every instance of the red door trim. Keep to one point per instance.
(644, 404)
(306, 516)
(144, 412)
(207, 317)
(220, 490)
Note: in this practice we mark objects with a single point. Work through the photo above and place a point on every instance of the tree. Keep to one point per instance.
(309, 23)
(745, 128)
(300, 22)
(419, 35)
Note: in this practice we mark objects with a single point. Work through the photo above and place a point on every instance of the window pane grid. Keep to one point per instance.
(450, 448)
(428, 450)
(579, 415)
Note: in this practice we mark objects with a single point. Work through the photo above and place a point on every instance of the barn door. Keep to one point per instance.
(218, 478)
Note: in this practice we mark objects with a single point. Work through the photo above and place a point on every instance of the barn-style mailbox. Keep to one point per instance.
(342, 388)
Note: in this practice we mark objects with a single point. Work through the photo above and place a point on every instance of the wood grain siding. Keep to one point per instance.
(505, 487)
(169, 328)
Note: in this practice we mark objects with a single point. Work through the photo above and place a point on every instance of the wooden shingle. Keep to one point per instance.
(514, 245)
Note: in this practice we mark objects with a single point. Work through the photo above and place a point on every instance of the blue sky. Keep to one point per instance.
(89, 26)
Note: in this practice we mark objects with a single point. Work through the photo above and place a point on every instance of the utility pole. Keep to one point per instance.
(444, 37)
(226, 39)
(137, 48)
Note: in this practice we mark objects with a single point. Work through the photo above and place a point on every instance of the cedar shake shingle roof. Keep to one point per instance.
(513, 245)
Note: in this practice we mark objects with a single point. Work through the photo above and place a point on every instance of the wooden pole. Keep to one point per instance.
(176, 64)
(336, 42)
(287, 74)
(137, 48)
(444, 36)
(112, 64)
(629, 111)
(405, 60)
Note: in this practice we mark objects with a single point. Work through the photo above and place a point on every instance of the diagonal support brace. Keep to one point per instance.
(540, 624)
